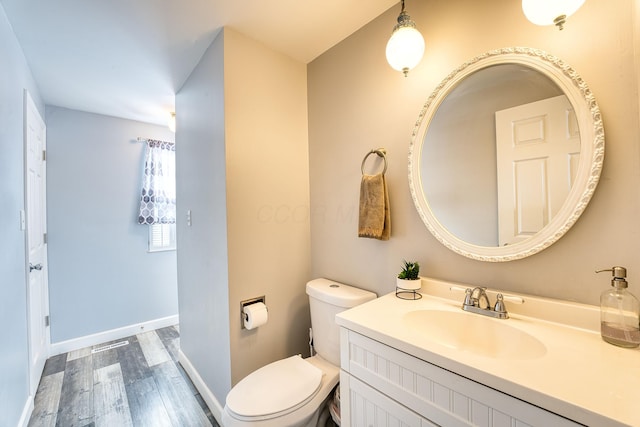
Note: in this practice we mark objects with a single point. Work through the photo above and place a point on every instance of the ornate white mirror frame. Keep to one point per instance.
(589, 167)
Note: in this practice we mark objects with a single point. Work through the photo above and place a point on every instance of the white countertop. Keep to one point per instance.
(580, 376)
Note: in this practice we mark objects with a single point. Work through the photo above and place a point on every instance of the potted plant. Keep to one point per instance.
(409, 277)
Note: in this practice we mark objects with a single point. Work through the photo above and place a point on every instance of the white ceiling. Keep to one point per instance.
(127, 58)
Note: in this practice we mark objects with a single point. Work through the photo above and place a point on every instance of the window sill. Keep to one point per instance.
(151, 251)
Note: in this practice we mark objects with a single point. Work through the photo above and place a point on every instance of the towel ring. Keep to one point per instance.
(381, 152)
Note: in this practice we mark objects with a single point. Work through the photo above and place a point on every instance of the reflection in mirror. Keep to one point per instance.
(506, 154)
(459, 163)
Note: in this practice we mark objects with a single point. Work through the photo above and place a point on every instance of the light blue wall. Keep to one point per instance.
(202, 257)
(15, 76)
(101, 276)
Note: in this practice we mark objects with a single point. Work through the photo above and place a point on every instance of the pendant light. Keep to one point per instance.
(550, 12)
(406, 45)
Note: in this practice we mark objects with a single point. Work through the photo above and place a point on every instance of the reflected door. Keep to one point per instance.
(538, 147)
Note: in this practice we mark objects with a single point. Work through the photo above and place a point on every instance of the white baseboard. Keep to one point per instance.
(214, 406)
(113, 334)
(26, 412)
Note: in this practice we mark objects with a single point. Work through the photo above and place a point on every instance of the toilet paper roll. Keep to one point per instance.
(255, 315)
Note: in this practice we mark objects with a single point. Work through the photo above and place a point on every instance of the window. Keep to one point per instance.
(158, 195)
(162, 237)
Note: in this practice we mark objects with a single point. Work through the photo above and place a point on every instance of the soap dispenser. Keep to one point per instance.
(619, 312)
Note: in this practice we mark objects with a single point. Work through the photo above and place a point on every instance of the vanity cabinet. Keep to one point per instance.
(382, 386)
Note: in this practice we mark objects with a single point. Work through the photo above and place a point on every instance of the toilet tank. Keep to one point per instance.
(326, 299)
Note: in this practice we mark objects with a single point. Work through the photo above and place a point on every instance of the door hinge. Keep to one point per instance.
(47, 320)
(44, 238)
(44, 155)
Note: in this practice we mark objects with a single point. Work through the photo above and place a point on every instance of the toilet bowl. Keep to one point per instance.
(293, 392)
(283, 393)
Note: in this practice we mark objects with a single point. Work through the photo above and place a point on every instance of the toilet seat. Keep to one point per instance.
(275, 390)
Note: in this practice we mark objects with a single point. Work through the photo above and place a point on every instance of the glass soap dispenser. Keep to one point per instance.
(619, 312)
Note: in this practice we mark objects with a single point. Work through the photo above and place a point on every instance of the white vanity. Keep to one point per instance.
(428, 363)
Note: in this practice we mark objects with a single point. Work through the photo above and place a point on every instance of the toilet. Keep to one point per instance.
(293, 392)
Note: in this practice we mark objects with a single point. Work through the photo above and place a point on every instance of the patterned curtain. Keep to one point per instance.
(158, 198)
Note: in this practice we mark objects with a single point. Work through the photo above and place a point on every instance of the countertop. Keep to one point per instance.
(580, 376)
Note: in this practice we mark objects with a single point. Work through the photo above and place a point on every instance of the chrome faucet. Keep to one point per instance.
(477, 301)
(482, 297)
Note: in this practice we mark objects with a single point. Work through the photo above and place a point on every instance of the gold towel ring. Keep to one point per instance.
(381, 152)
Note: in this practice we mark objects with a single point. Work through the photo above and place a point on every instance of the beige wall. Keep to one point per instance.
(267, 200)
(357, 102)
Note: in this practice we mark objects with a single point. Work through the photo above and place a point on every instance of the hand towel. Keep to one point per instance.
(374, 219)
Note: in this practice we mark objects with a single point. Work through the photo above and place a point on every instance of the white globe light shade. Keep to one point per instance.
(544, 12)
(405, 49)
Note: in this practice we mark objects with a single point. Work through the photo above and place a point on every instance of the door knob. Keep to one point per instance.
(35, 267)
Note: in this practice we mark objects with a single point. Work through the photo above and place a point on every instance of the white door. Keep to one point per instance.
(37, 291)
(538, 147)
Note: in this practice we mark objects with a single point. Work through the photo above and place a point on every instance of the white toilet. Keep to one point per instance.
(293, 392)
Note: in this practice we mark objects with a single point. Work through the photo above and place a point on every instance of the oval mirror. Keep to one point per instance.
(506, 154)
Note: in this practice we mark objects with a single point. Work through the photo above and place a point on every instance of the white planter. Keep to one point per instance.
(409, 285)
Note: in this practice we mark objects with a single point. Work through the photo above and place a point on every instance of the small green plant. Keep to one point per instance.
(410, 271)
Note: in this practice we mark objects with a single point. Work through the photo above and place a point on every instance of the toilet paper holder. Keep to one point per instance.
(247, 302)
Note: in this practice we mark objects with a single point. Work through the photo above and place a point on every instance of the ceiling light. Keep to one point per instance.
(172, 122)
(550, 12)
(406, 45)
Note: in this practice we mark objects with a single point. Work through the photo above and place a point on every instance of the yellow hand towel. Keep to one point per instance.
(374, 219)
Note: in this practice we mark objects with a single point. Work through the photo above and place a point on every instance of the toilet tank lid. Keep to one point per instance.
(338, 294)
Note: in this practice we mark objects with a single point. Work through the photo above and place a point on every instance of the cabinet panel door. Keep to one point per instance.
(370, 408)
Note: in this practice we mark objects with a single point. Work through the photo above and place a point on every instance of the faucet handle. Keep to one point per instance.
(499, 306)
(468, 299)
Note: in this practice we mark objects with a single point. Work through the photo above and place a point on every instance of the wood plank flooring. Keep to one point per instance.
(139, 384)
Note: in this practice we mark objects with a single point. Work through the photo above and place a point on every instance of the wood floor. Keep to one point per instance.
(136, 384)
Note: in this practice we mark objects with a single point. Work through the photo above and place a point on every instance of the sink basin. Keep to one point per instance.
(474, 333)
